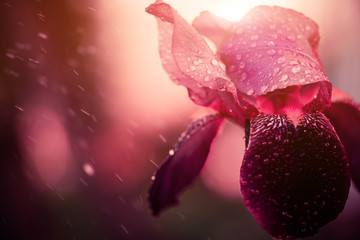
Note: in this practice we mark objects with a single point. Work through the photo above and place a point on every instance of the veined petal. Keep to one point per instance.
(294, 177)
(183, 163)
(273, 48)
(344, 115)
(187, 58)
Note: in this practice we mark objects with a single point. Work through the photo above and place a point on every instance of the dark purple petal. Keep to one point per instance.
(183, 163)
(344, 115)
(294, 176)
(273, 48)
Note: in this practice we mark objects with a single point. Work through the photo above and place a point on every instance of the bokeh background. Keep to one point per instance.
(88, 115)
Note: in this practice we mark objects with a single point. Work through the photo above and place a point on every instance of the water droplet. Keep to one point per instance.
(295, 69)
(254, 37)
(302, 80)
(238, 56)
(232, 68)
(206, 79)
(208, 71)
(214, 62)
(270, 52)
(281, 59)
(255, 191)
(264, 88)
(276, 154)
(276, 70)
(153, 177)
(250, 92)
(266, 161)
(244, 76)
(196, 62)
(171, 152)
(327, 144)
(274, 35)
(192, 68)
(239, 31)
(241, 64)
(284, 77)
(271, 44)
(291, 38)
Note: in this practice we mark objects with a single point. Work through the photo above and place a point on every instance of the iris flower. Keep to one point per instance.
(302, 141)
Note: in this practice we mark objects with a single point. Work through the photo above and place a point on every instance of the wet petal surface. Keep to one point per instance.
(184, 163)
(187, 58)
(273, 48)
(294, 176)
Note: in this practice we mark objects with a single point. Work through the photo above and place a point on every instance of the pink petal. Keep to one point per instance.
(344, 115)
(212, 27)
(273, 48)
(183, 163)
(187, 58)
(294, 177)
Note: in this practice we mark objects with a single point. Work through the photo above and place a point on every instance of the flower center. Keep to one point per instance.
(284, 101)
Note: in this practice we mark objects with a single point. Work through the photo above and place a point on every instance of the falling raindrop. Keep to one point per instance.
(89, 169)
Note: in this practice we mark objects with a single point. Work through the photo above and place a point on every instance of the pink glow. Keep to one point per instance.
(45, 144)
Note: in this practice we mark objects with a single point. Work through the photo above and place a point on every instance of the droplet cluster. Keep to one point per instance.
(267, 48)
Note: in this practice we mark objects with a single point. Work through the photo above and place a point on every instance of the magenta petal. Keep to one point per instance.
(183, 163)
(272, 48)
(344, 115)
(212, 27)
(187, 58)
(294, 178)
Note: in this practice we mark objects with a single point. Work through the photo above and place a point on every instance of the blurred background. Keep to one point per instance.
(88, 115)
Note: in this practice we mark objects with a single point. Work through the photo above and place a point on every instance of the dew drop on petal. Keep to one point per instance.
(255, 191)
(284, 77)
(250, 92)
(276, 70)
(264, 88)
(171, 152)
(281, 59)
(243, 75)
(295, 69)
(270, 52)
(254, 37)
(238, 56)
(271, 44)
(214, 62)
(241, 64)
